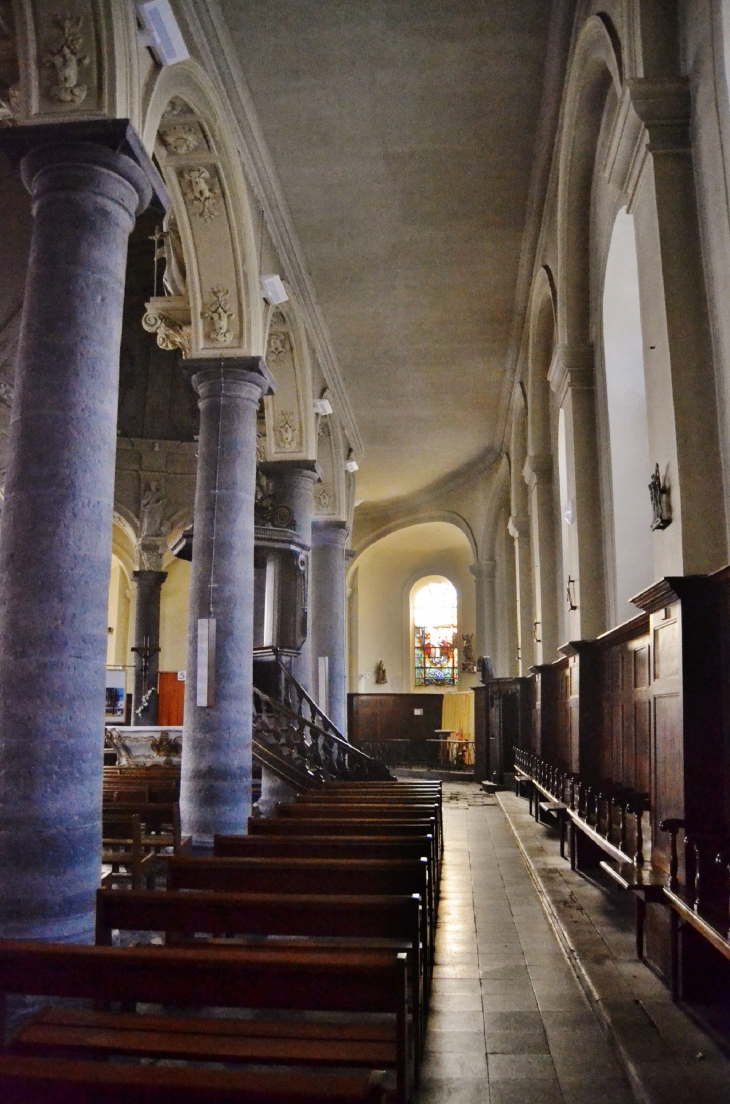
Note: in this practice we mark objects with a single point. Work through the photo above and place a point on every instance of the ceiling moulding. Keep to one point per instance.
(208, 31)
(455, 481)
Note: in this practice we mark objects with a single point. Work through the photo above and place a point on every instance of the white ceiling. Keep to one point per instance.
(402, 132)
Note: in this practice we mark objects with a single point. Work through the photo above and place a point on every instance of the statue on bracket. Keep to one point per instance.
(381, 675)
(661, 506)
(468, 659)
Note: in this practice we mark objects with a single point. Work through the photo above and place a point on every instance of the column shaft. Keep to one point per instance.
(57, 522)
(328, 613)
(146, 644)
(216, 764)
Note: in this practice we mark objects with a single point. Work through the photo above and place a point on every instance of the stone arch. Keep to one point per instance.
(184, 124)
(417, 519)
(124, 539)
(594, 74)
(290, 424)
(331, 497)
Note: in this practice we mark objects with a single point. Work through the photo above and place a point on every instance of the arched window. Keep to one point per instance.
(628, 431)
(435, 624)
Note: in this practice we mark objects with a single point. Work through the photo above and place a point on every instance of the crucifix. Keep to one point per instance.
(145, 653)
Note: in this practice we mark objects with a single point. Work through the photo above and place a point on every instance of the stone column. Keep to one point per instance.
(485, 574)
(297, 478)
(216, 762)
(538, 472)
(88, 182)
(519, 529)
(328, 613)
(146, 645)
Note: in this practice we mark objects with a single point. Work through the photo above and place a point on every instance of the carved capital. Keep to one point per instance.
(169, 318)
(538, 471)
(665, 109)
(518, 526)
(572, 368)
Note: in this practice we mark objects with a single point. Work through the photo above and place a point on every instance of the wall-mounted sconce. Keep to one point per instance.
(162, 31)
(351, 464)
(322, 406)
(661, 505)
(273, 290)
(570, 594)
(536, 632)
(568, 513)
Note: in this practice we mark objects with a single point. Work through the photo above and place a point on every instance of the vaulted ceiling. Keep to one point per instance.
(403, 132)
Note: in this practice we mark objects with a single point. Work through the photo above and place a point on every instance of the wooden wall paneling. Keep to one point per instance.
(585, 664)
(377, 717)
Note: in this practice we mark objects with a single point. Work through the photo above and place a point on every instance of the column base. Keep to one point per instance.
(273, 791)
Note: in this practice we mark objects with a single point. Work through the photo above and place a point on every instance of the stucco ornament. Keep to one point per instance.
(171, 334)
(181, 138)
(201, 192)
(260, 444)
(220, 316)
(6, 392)
(277, 346)
(324, 497)
(286, 430)
(65, 58)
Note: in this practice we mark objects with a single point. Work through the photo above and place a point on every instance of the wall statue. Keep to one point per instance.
(381, 675)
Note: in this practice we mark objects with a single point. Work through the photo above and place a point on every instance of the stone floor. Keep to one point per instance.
(509, 1020)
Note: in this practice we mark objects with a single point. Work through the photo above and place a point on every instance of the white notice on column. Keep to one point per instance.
(205, 688)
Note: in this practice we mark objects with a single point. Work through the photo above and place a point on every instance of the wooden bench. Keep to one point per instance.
(122, 845)
(397, 799)
(290, 828)
(199, 978)
(358, 810)
(64, 1081)
(646, 882)
(332, 847)
(381, 877)
(355, 919)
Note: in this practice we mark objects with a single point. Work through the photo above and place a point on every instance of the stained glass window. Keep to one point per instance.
(434, 620)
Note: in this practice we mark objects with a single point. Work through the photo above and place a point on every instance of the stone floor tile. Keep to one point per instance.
(521, 1065)
(526, 1091)
(509, 1002)
(457, 1002)
(454, 1091)
(517, 1042)
(454, 1042)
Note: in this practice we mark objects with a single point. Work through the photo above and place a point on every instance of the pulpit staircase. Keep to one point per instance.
(297, 741)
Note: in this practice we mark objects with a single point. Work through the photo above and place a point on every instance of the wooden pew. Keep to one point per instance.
(317, 876)
(356, 811)
(332, 847)
(391, 796)
(198, 978)
(160, 820)
(64, 1081)
(356, 919)
(123, 845)
(292, 828)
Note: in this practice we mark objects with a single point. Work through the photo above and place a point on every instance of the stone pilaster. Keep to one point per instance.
(328, 613)
(485, 574)
(572, 378)
(519, 530)
(88, 183)
(148, 586)
(216, 764)
(538, 472)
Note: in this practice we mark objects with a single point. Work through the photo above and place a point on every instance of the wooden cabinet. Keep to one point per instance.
(502, 722)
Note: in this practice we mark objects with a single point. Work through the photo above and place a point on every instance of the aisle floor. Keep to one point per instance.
(509, 1023)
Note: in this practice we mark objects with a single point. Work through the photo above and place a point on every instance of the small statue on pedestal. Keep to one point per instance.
(381, 676)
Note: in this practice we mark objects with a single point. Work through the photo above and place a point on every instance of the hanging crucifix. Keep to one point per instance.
(145, 653)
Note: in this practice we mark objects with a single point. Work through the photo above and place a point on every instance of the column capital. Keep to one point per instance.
(484, 570)
(111, 144)
(518, 526)
(150, 579)
(572, 368)
(328, 531)
(538, 471)
(230, 377)
(664, 106)
(302, 469)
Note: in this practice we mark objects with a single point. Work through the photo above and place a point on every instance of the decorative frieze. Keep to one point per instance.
(219, 315)
(201, 192)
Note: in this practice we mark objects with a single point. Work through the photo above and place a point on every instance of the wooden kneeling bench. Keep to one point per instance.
(64, 1081)
(342, 981)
